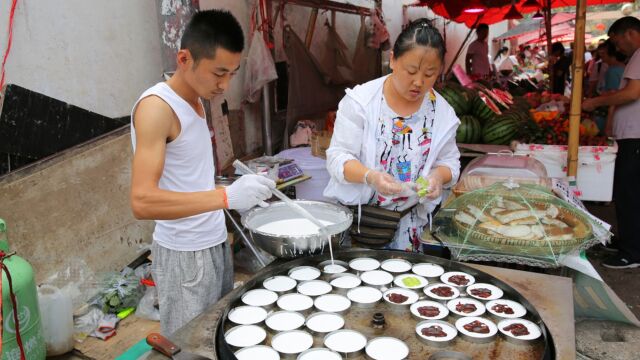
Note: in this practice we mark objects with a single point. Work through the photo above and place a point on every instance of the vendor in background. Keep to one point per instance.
(596, 68)
(559, 68)
(393, 130)
(501, 56)
(624, 33)
(615, 61)
(172, 179)
(477, 60)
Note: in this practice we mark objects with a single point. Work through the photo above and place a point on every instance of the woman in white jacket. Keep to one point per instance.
(393, 130)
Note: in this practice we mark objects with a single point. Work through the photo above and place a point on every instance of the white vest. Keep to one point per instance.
(188, 167)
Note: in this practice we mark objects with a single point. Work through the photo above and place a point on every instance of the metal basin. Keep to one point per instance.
(288, 246)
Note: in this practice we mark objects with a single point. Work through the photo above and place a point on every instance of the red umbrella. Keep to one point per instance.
(496, 9)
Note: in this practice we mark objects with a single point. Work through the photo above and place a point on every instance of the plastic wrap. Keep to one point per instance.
(519, 223)
(119, 291)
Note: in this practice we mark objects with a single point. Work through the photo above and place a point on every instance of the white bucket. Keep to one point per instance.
(315, 167)
(57, 319)
(596, 165)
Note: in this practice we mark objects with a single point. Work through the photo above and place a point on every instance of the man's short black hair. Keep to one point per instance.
(482, 27)
(621, 25)
(210, 29)
(557, 48)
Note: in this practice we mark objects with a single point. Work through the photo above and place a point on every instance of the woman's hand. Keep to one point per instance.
(383, 183)
(434, 190)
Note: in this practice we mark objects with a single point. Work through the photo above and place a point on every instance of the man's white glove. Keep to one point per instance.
(248, 191)
(383, 183)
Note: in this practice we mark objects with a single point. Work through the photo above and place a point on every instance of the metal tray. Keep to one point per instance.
(402, 325)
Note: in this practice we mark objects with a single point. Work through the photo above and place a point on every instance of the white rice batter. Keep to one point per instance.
(396, 266)
(247, 315)
(325, 323)
(387, 349)
(279, 283)
(245, 335)
(346, 282)
(257, 352)
(292, 342)
(292, 227)
(346, 341)
(284, 321)
(320, 354)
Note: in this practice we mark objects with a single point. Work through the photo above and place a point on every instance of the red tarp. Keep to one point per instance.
(496, 9)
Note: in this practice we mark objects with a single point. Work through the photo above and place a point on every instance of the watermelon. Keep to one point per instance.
(481, 111)
(458, 98)
(501, 130)
(469, 131)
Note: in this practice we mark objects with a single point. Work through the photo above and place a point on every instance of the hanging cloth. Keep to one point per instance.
(379, 35)
(365, 59)
(335, 61)
(309, 95)
(260, 68)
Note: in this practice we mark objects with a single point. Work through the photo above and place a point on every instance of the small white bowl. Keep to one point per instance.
(364, 264)
(314, 288)
(337, 267)
(386, 348)
(319, 354)
(259, 297)
(284, 321)
(396, 266)
(377, 278)
(496, 292)
(399, 281)
(348, 343)
(304, 273)
(342, 283)
(473, 336)
(261, 352)
(411, 295)
(280, 284)
(291, 343)
(428, 291)
(321, 323)
(444, 312)
(446, 278)
(245, 335)
(428, 270)
(452, 304)
(365, 296)
(439, 342)
(295, 302)
(534, 331)
(332, 303)
(518, 310)
(247, 315)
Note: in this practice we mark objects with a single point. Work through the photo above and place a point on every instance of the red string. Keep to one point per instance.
(9, 40)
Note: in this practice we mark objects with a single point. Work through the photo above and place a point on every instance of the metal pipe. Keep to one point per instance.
(247, 242)
(267, 141)
(311, 27)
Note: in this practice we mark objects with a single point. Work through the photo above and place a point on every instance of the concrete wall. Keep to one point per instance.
(99, 54)
(75, 206)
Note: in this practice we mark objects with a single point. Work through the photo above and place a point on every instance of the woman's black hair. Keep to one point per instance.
(503, 50)
(419, 33)
(557, 48)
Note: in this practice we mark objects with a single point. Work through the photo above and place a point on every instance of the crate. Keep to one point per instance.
(596, 165)
(320, 142)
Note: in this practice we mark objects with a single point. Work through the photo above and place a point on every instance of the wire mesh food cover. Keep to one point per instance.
(518, 223)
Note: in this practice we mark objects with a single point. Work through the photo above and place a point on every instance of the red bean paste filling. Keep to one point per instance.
(433, 331)
(477, 327)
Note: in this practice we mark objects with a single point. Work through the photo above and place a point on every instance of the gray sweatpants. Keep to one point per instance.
(189, 281)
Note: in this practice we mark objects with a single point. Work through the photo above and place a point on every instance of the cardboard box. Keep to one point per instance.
(320, 142)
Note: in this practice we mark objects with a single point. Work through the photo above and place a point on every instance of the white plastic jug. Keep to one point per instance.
(57, 319)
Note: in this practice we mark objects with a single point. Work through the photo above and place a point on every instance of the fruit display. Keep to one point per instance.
(469, 131)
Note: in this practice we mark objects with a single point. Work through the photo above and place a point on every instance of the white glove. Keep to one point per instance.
(434, 190)
(248, 191)
(383, 183)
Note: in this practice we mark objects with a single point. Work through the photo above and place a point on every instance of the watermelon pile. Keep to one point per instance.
(489, 116)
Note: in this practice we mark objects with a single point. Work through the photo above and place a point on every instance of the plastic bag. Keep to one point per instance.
(119, 291)
(86, 324)
(260, 68)
(148, 306)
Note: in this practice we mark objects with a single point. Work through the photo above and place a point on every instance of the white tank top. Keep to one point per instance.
(188, 167)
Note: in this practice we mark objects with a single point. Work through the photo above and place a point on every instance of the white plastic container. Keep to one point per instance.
(315, 167)
(56, 311)
(596, 166)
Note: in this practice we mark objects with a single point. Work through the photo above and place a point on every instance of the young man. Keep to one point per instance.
(172, 178)
(477, 60)
(625, 35)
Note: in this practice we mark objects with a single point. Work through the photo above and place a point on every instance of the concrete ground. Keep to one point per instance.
(623, 282)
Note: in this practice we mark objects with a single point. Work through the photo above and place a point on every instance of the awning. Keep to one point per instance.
(529, 26)
(496, 9)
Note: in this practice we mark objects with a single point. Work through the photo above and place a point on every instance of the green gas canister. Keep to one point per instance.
(26, 299)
